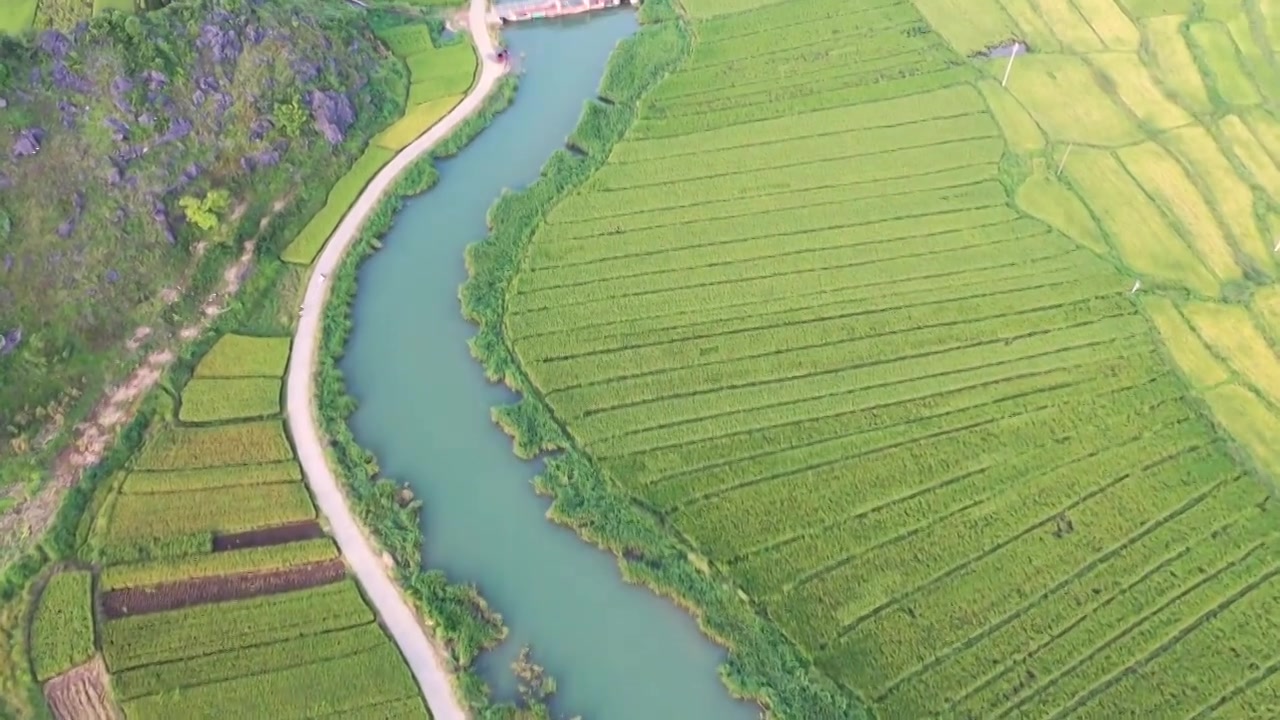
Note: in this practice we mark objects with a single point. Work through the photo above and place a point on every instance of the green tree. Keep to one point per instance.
(203, 212)
(290, 117)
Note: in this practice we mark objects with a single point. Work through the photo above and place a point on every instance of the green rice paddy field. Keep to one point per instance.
(970, 388)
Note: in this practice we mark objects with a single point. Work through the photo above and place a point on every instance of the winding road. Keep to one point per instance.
(397, 616)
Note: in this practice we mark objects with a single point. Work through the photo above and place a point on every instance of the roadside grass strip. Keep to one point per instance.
(1213, 44)
(151, 639)
(257, 559)
(306, 246)
(62, 628)
(179, 675)
(190, 448)
(17, 16)
(217, 399)
(225, 510)
(1189, 352)
(416, 121)
(1173, 63)
(141, 482)
(235, 356)
(442, 72)
(336, 686)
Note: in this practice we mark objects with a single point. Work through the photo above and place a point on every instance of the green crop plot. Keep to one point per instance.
(226, 510)
(244, 356)
(255, 559)
(190, 448)
(927, 427)
(307, 245)
(447, 71)
(415, 122)
(62, 629)
(214, 399)
(176, 481)
(144, 640)
(17, 16)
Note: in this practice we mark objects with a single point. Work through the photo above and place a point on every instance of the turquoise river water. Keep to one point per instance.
(617, 651)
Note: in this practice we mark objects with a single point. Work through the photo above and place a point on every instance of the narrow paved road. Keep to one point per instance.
(400, 619)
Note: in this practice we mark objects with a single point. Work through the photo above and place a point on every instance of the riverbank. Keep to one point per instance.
(398, 617)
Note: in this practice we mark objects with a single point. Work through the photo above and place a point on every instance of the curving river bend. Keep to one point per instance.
(618, 652)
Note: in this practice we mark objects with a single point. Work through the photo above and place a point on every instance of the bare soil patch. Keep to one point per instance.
(200, 591)
(81, 693)
(278, 535)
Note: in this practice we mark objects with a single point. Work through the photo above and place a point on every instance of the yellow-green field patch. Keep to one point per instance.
(214, 399)
(1110, 23)
(1136, 88)
(253, 559)
(1015, 122)
(1231, 334)
(1267, 130)
(415, 122)
(307, 245)
(1166, 181)
(1257, 60)
(1065, 99)
(161, 481)
(1140, 232)
(1044, 197)
(1154, 8)
(1251, 422)
(1185, 346)
(447, 71)
(183, 448)
(17, 16)
(1250, 152)
(1175, 66)
(225, 510)
(1227, 192)
(245, 356)
(1265, 305)
(1069, 25)
(1218, 51)
(970, 26)
(124, 6)
(1034, 29)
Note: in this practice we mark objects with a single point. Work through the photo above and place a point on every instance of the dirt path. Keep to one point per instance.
(397, 616)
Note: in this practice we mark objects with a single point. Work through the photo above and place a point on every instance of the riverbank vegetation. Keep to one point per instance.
(836, 268)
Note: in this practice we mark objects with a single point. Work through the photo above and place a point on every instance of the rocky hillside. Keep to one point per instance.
(137, 153)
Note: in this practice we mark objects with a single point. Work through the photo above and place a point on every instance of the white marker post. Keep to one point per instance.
(1136, 284)
(1013, 56)
(1064, 159)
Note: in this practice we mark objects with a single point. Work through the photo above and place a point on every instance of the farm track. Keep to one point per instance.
(202, 591)
(399, 618)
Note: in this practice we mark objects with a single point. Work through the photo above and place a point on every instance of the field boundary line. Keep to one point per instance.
(401, 621)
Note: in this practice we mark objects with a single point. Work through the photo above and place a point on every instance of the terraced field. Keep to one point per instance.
(860, 325)
(216, 593)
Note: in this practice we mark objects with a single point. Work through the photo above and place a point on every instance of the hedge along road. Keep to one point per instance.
(400, 620)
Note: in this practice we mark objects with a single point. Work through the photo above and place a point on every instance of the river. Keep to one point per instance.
(617, 651)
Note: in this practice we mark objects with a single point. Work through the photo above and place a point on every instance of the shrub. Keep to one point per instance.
(62, 630)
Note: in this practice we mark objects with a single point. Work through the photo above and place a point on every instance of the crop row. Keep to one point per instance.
(834, 247)
(445, 72)
(691, 432)
(848, 144)
(177, 481)
(62, 628)
(893, 330)
(892, 112)
(693, 307)
(224, 510)
(893, 169)
(769, 109)
(815, 198)
(190, 448)
(204, 670)
(370, 676)
(406, 40)
(244, 356)
(980, 652)
(214, 399)
(800, 307)
(306, 246)
(417, 120)
(257, 559)
(218, 627)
